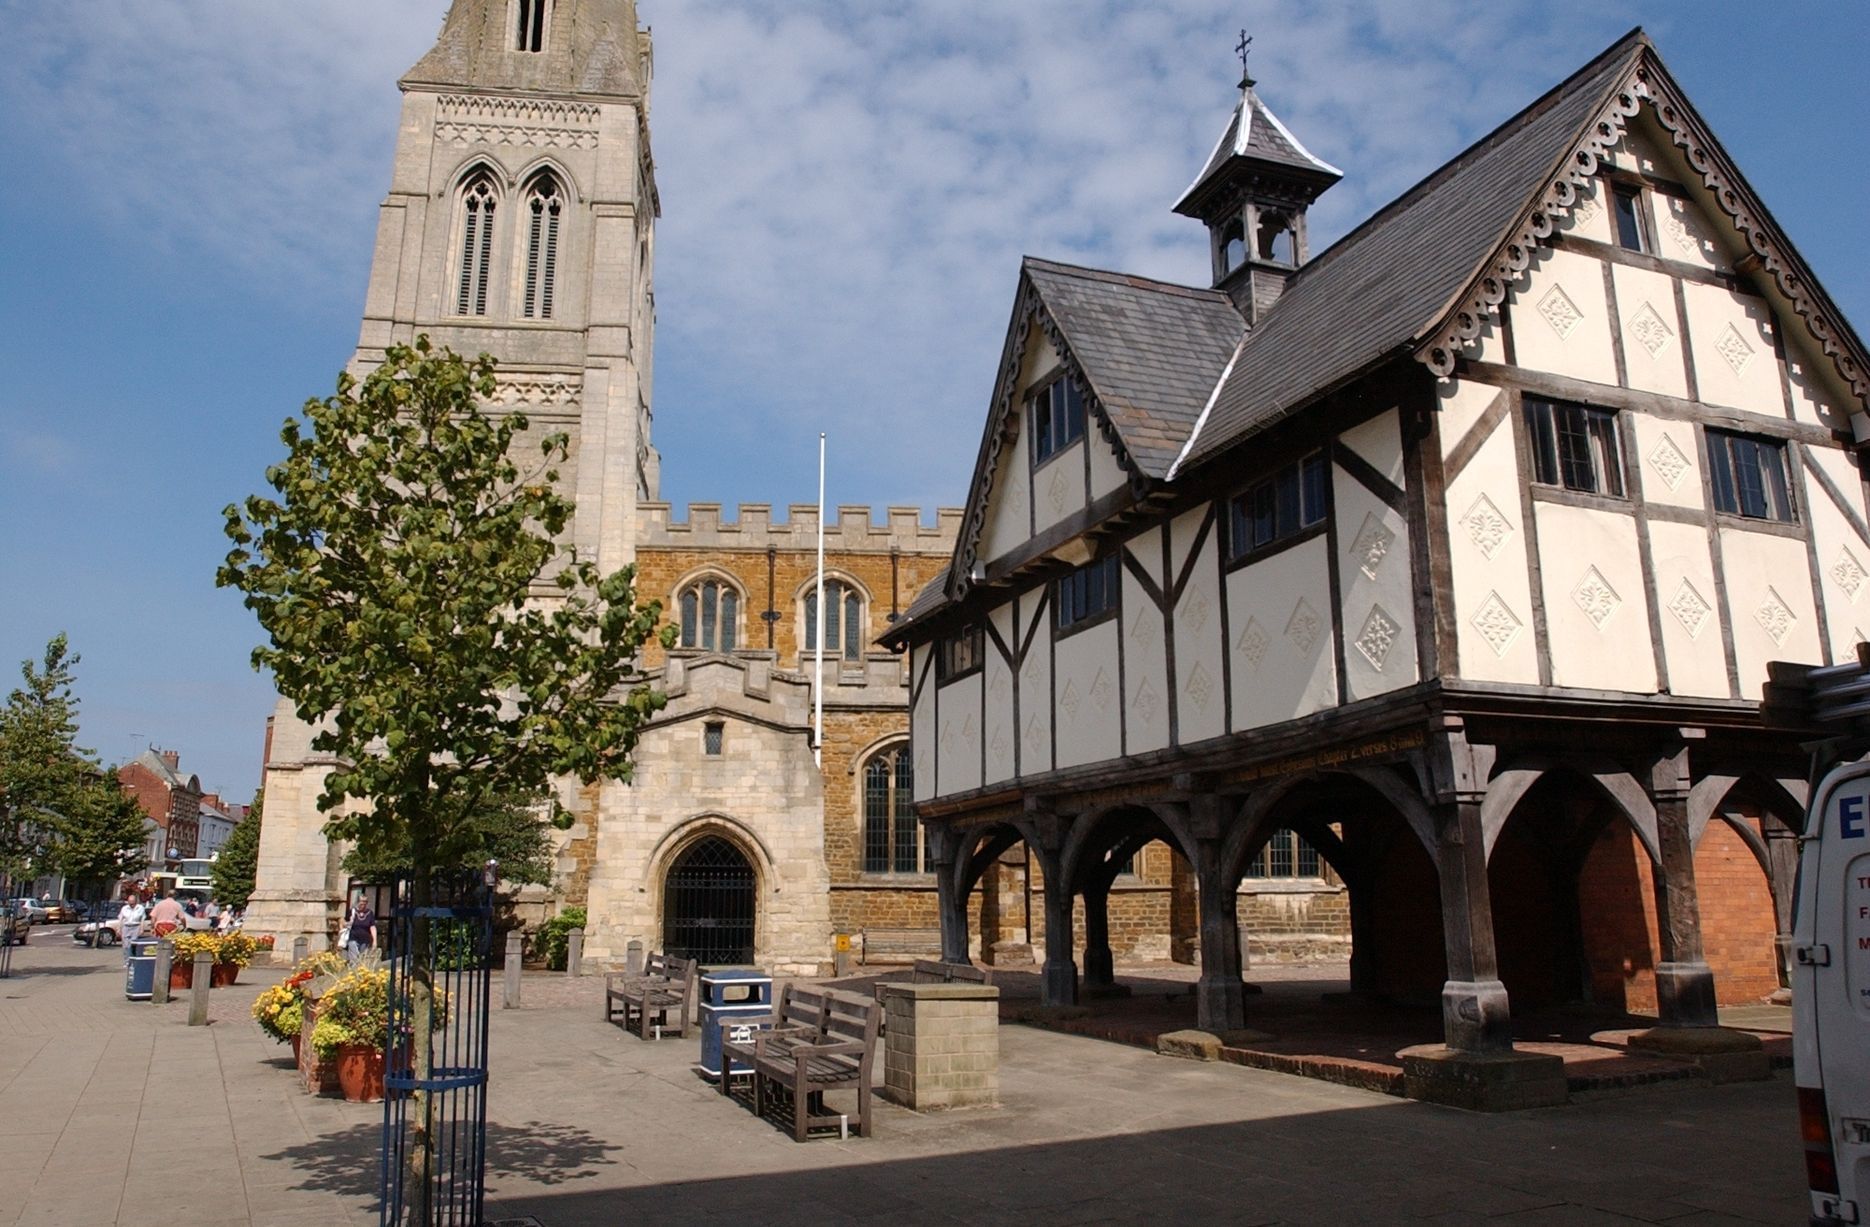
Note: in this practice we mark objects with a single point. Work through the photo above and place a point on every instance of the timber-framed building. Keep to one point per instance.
(1459, 549)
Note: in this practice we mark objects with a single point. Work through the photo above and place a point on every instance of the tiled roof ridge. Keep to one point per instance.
(1136, 281)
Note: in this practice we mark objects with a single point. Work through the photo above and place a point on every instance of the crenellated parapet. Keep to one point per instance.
(753, 528)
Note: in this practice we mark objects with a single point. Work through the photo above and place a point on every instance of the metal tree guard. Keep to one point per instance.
(456, 930)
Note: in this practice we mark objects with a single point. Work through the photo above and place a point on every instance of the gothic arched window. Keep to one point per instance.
(844, 620)
(530, 34)
(710, 615)
(892, 837)
(544, 205)
(478, 200)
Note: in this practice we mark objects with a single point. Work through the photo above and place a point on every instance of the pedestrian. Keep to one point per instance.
(167, 916)
(129, 922)
(213, 913)
(224, 922)
(362, 934)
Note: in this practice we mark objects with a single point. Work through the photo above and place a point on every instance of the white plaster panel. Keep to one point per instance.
(1843, 554)
(1632, 154)
(1460, 403)
(1086, 704)
(1668, 460)
(922, 747)
(1009, 522)
(1182, 533)
(1378, 590)
(957, 735)
(1145, 661)
(1653, 353)
(1035, 687)
(1589, 216)
(1560, 319)
(1379, 443)
(997, 728)
(1690, 615)
(1684, 232)
(1107, 475)
(1487, 550)
(1837, 465)
(1817, 396)
(1769, 603)
(1731, 339)
(1596, 608)
(1279, 614)
(1058, 487)
(1492, 340)
(1201, 707)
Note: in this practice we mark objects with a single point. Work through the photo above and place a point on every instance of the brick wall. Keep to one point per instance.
(1737, 925)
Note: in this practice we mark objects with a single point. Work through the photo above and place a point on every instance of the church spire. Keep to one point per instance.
(562, 47)
(1252, 195)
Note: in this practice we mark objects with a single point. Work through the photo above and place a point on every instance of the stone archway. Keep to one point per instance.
(710, 903)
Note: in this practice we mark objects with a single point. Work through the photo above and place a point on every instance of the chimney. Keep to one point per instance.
(172, 759)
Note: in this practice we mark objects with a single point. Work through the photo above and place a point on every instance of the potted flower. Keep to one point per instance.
(316, 975)
(353, 1030)
(280, 1010)
(186, 944)
(235, 950)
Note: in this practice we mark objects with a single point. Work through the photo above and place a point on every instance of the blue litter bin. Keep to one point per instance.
(140, 969)
(725, 994)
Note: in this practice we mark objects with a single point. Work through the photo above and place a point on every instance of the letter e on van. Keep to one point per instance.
(1850, 817)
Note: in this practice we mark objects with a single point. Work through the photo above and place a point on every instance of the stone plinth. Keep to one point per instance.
(1483, 1081)
(941, 1045)
(1724, 1054)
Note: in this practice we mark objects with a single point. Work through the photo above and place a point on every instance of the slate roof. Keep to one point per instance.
(1382, 287)
(1266, 140)
(1151, 350)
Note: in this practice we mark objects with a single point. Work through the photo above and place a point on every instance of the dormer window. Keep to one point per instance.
(529, 34)
(1057, 413)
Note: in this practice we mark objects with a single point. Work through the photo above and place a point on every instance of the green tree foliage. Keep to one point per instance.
(60, 812)
(239, 859)
(421, 607)
(511, 830)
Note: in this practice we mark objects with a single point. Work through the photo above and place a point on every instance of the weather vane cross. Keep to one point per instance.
(1243, 47)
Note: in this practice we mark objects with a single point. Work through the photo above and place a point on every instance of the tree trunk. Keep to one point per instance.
(418, 1208)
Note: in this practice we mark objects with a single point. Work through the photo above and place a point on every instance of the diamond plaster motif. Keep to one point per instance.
(998, 744)
(1649, 330)
(1596, 597)
(1145, 702)
(1560, 312)
(1496, 624)
(1377, 637)
(1733, 347)
(1253, 643)
(1056, 492)
(1101, 690)
(1849, 573)
(1035, 735)
(1303, 626)
(1586, 209)
(1775, 617)
(1486, 527)
(1143, 629)
(998, 686)
(967, 729)
(1669, 462)
(1372, 545)
(1199, 687)
(1031, 671)
(1690, 608)
(947, 736)
(1677, 229)
(1194, 611)
(1069, 699)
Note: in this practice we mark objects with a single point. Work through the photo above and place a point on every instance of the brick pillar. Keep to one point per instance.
(1684, 981)
(1220, 998)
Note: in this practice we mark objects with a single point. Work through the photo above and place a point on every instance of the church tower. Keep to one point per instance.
(1252, 195)
(520, 221)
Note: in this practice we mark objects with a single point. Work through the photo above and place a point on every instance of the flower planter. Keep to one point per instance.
(360, 1073)
(223, 975)
(318, 1077)
(182, 975)
(296, 1041)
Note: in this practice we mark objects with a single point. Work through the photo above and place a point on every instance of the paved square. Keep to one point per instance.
(118, 1112)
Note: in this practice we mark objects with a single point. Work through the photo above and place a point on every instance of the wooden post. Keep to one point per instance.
(510, 980)
(574, 953)
(301, 948)
(198, 991)
(159, 987)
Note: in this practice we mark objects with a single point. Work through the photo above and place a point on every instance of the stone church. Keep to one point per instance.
(521, 221)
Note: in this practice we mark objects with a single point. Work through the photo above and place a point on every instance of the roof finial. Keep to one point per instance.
(1241, 49)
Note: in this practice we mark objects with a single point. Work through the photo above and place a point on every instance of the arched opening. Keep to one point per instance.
(1276, 240)
(479, 199)
(545, 206)
(1002, 914)
(1746, 861)
(1233, 248)
(708, 613)
(709, 903)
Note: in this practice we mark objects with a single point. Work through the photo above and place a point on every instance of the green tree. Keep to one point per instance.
(101, 833)
(509, 829)
(420, 604)
(239, 859)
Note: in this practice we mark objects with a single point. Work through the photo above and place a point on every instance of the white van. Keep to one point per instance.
(1831, 996)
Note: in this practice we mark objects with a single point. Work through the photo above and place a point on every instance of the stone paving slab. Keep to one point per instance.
(134, 1117)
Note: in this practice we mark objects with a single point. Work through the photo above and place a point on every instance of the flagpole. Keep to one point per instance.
(818, 669)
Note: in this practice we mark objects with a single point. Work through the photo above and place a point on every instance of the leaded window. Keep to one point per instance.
(958, 653)
(1285, 855)
(844, 620)
(544, 206)
(1282, 505)
(1088, 593)
(478, 201)
(1749, 477)
(892, 837)
(1574, 447)
(1057, 418)
(710, 616)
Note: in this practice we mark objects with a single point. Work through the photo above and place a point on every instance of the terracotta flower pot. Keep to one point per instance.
(295, 1049)
(360, 1073)
(224, 974)
(182, 974)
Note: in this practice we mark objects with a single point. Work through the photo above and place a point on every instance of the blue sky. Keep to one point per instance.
(191, 189)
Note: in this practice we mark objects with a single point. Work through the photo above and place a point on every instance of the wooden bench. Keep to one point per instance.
(928, 971)
(815, 1041)
(665, 991)
(899, 945)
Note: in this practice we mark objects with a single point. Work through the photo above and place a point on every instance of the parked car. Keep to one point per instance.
(111, 935)
(32, 911)
(75, 910)
(13, 926)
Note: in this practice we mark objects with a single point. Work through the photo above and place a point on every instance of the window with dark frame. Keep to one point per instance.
(530, 36)
(1574, 447)
(1280, 506)
(1285, 855)
(844, 620)
(892, 837)
(710, 614)
(958, 653)
(1749, 477)
(544, 206)
(713, 734)
(1627, 209)
(478, 201)
(1057, 412)
(1088, 592)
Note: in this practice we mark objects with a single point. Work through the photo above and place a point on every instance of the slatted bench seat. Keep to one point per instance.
(664, 996)
(817, 1040)
(900, 945)
(929, 971)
